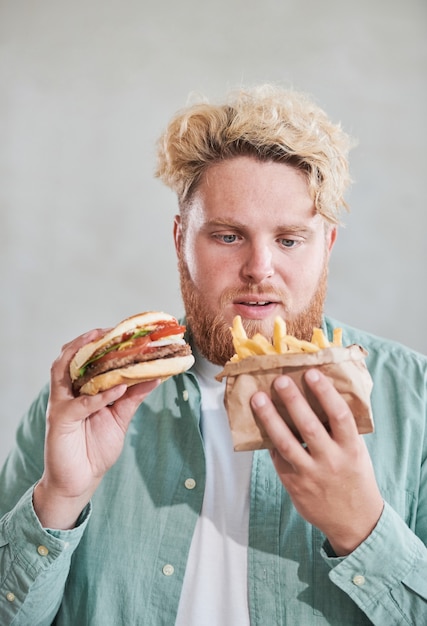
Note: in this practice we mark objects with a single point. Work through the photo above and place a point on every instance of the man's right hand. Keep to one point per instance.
(84, 438)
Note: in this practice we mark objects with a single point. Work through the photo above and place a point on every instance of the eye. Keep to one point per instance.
(289, 243)
(227, 238)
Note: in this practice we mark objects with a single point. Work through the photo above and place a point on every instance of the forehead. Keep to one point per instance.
(248, 190)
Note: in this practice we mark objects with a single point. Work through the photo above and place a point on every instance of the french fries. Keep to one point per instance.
(282, 343)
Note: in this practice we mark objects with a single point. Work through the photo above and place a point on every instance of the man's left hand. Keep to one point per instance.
(330, 480)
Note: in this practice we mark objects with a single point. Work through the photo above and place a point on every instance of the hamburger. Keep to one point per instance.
(142, 347)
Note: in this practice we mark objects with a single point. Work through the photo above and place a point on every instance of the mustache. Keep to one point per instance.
(268, 292)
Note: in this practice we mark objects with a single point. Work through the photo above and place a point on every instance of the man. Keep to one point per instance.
(139, 512)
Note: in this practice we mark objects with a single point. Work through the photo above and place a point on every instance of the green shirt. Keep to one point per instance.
(124, 563)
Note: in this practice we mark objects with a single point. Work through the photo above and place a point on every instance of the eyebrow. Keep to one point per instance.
(281, 228)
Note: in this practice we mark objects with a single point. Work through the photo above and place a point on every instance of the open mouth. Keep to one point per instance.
(256, 309)
(257, 306)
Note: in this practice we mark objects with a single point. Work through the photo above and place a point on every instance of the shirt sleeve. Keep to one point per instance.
(34, 562)
(386, 576)
(34, 565)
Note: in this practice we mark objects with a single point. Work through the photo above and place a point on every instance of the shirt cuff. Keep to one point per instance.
(34, 546)
(30, 553)
(366, 575)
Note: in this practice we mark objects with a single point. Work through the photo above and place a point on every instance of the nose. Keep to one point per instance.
(258, 264)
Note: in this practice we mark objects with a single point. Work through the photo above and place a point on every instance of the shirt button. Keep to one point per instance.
(10, 597)
(168, 569)
(185, 395)
(42, 550)
(190, 483)
(359, 580)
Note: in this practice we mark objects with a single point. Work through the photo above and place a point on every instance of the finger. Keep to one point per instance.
(341, 419)
(282, 438)
(312, 431)
(120, 401)
(137, 393)
(76, 409)
(124, 408)
(124, 399)
(81, 340)
(60, 374)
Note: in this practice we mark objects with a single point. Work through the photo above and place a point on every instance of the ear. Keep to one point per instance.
(331, 237)
(177, 233)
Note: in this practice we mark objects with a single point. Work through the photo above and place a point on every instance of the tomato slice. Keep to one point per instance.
(167, 329)
(131, 345)
(140, 344)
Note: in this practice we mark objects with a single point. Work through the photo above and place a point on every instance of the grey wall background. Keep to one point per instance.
(85, 89)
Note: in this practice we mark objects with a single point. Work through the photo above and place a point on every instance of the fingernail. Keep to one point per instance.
(312, 375)
(258, 400)
(282, 382)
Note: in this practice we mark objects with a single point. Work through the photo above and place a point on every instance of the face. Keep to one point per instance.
(251, 245)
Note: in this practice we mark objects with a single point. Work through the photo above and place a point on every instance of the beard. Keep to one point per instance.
(211, 333)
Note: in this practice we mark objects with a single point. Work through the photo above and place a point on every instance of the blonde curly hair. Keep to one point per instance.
(268, 123)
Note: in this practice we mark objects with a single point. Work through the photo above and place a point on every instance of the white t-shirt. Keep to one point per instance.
(215, 587)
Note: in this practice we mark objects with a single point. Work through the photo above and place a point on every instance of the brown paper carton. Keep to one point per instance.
(346, 367)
